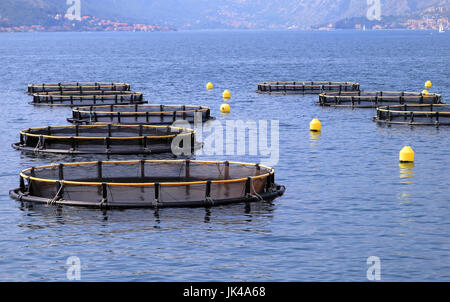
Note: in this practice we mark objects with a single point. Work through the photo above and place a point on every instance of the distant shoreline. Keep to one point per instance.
(220, 30)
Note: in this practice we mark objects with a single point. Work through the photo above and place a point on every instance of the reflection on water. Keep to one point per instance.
(314, 138)
(406, 173)
(53, 216)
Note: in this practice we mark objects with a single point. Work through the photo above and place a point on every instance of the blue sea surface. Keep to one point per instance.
(347, 198)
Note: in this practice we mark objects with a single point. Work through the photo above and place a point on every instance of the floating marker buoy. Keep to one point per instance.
(315, 125)
(428, 84)
(406, 155)
(209, 86)
(226, 94)
(425, 92)
(225, 108)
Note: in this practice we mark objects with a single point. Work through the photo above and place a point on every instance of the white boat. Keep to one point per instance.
(441, 28)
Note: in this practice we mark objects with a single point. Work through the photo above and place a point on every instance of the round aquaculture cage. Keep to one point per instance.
(147, 183)
(139, 114)
(424, 114)
(305, 87)
(106, 139)
(373, 99)
(87, 98)
(77, 86)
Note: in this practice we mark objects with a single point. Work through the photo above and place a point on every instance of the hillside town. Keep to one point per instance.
(87, 23)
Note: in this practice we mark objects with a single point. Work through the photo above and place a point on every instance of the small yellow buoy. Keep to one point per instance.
(406, 155)
(209, 86)
(425, 92)
(226, 94)
(225, 108)
(315, 125)
(428, 84)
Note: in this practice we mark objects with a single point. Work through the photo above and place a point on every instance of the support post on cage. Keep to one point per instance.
(59, 191)
(61, 171)
(29, 189)
(99, 170)
(21, 184)
(104, 200)
(192, 143)
(208, 199)
(142, 168)
(187, 168)
(157, 194)
(72, 144)
(269, 182)
(108, 144)
(227, 169)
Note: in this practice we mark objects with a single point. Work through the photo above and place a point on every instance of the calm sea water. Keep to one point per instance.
(346, 199)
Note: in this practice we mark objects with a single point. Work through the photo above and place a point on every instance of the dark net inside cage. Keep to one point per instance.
(306, 87)
(373, 99)
(433, 115)
(147, 183)
(78, 86)
(88, 98)
(107, 139)
(139, 114)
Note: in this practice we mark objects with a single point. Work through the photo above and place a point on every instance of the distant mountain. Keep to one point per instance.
(212, 14)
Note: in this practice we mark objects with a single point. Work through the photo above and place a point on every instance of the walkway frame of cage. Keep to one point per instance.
(305, 87)
(137, 114)
(258, 184)
(77, 86)
(87, 98)
(417, 115)
(45, 140)
(373, 99)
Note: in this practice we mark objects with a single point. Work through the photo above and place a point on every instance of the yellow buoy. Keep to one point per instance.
(428, 84)
(425, 92)
(226, 94)
(225, 108)
(315, 125)
(209, 86)
(406, 155)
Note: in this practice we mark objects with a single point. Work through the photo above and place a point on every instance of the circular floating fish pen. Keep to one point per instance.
(373, 99)
(77, 86)
(147, 183)
(87, 98)
(305, 87)
(424, 114)
(138, 114)
(104, 139)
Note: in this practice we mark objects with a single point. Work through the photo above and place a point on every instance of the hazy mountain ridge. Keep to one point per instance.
(203, 14)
